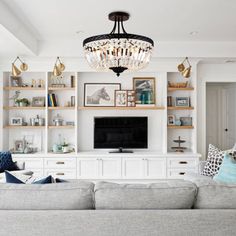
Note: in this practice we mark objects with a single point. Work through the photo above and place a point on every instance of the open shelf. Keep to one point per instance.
(180, 127)
(170, 89)
(23, 127)
(123, 108)
(61, 108)
(65, 88)
(180, 108)
(23, 108)
(61, 127)
(23, 88)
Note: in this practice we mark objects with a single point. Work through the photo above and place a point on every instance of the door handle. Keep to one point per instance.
(182, 173)
(183, 162)
(226, 130)
(60, 162)
(60, 174)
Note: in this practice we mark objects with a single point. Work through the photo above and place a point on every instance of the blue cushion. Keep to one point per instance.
(12, 179)
(47, 180)
(227, 171)
(6, 162)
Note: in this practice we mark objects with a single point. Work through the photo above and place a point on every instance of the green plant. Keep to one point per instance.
(23, 100)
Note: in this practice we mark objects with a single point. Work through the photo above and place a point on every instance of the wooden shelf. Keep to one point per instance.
(61, 127)
(170, 89)
(123, 108)
(180, 108)
(23, 88)
(61, 89)
(61, 108)
(23, 127)
(23, 108)
(179, 127)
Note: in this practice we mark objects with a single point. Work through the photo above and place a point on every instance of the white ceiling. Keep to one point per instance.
(162, 20)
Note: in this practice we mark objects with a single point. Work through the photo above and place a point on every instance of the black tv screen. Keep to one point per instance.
(120, 132)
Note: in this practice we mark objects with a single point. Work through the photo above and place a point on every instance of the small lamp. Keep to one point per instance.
(59, 67)
(15, 70)
(186, 72)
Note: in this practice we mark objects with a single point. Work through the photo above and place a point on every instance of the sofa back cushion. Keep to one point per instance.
(164, 194)
(216, 196)
(77, 195)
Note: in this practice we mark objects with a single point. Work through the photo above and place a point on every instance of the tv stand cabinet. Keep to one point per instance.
(140, 166)
(121, 150)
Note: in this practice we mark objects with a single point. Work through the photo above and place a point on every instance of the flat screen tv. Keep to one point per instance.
(120, 133)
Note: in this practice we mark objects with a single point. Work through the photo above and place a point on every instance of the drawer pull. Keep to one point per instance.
(60, 173)
(181, 173)
(183, 162)
(60, 162)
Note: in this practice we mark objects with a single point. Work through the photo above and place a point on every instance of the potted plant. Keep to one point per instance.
(23, 102)
(65, 147)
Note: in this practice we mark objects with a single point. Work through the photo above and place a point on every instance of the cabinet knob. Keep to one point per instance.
(60, 162)
(181, 173)
(60, 173)
(183, 162)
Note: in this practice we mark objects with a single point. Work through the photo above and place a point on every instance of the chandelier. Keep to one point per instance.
(119, 50)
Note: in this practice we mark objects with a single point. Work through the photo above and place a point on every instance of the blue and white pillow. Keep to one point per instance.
(6, 162)
(15, 178)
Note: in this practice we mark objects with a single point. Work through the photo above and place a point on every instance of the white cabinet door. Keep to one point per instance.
(110, 168)
(132, 168)
(155, 168)
(88, 168)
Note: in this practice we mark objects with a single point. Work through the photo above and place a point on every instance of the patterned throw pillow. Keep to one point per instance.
(214, 161)
(6, 162)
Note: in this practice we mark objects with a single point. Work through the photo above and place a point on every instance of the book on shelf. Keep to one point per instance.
(52, 100)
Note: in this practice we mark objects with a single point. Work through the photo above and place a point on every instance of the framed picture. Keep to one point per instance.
(182, 101)
(120, 98)
(38, 101)
(16, 81)
(19, 146)
(16, 121)
(145, 90)
(131, 98)
(186, 121)
(171, 120)
(100, 94)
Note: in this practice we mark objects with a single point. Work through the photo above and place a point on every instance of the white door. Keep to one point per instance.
(88, 168)
(154, 168)
(132, 168)
(110, 168)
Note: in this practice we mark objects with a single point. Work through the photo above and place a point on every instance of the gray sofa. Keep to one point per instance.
(167, 207)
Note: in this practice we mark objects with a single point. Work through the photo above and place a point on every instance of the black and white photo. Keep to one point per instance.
(38, 101)
(182, 102)
(121, 98)
(16, 121)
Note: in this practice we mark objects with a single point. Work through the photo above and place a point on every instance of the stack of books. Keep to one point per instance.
(52, 100)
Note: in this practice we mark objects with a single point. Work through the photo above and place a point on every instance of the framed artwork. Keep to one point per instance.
(16, 81)
(131, 98)
(16, 121)
(19, 146)
(100, 94)
(171, 120)
(186, 121)
(120, 98)
(182, 102)
(38, 101)
(145, 90)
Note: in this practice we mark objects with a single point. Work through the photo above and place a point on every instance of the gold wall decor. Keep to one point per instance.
(185, 71)
(15, 70)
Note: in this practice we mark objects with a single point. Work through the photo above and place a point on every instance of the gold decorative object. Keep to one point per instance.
(59, 67)
(186, 72)
(15, 70)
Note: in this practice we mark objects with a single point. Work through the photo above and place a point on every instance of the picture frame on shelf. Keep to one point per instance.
(131, 98)
(171, 120)
(19, 146)
(182, 101)
(145, 91)
(38, 101)
(100, 94)
(121, 98)
(17, 121)
(16, 81)
(186, 121)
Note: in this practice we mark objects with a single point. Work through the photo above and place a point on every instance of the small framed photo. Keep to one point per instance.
(16, 121)
(16, 81)
(171, 120)
(19, 146)
(186, 121)
(100, 94)
(38, 101)
(131, 98)
(121, 98)
(182, 102)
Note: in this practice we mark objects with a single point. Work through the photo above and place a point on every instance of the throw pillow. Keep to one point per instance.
(15, 178)
(227, 171)
(214, 160)
(6, 162)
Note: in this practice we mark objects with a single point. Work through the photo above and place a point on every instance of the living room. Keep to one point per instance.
(125, 108)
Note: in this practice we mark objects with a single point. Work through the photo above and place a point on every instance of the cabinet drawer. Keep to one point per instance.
(179, 173)
(182, 163)
(31, 163)
(62, 173)
(60, 163)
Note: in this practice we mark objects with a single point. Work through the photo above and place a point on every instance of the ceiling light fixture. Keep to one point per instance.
(186, 72)
(119, 50)
(15, 70)
(59, 67)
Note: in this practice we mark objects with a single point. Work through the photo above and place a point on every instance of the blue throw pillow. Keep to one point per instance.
(227, 171)
(6, 162)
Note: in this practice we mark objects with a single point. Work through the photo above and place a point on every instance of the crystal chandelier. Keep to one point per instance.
(119, 50)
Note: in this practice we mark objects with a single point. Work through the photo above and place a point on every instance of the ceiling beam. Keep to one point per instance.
(17, 28)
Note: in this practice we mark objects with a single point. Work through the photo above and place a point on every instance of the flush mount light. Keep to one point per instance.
(15, 70)
(186, 72)
(119, 50)
(59, 67)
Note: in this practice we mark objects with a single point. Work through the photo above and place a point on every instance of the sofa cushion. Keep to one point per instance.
(75, 195)
(6, 162)
(164, 194)
(216, 196)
